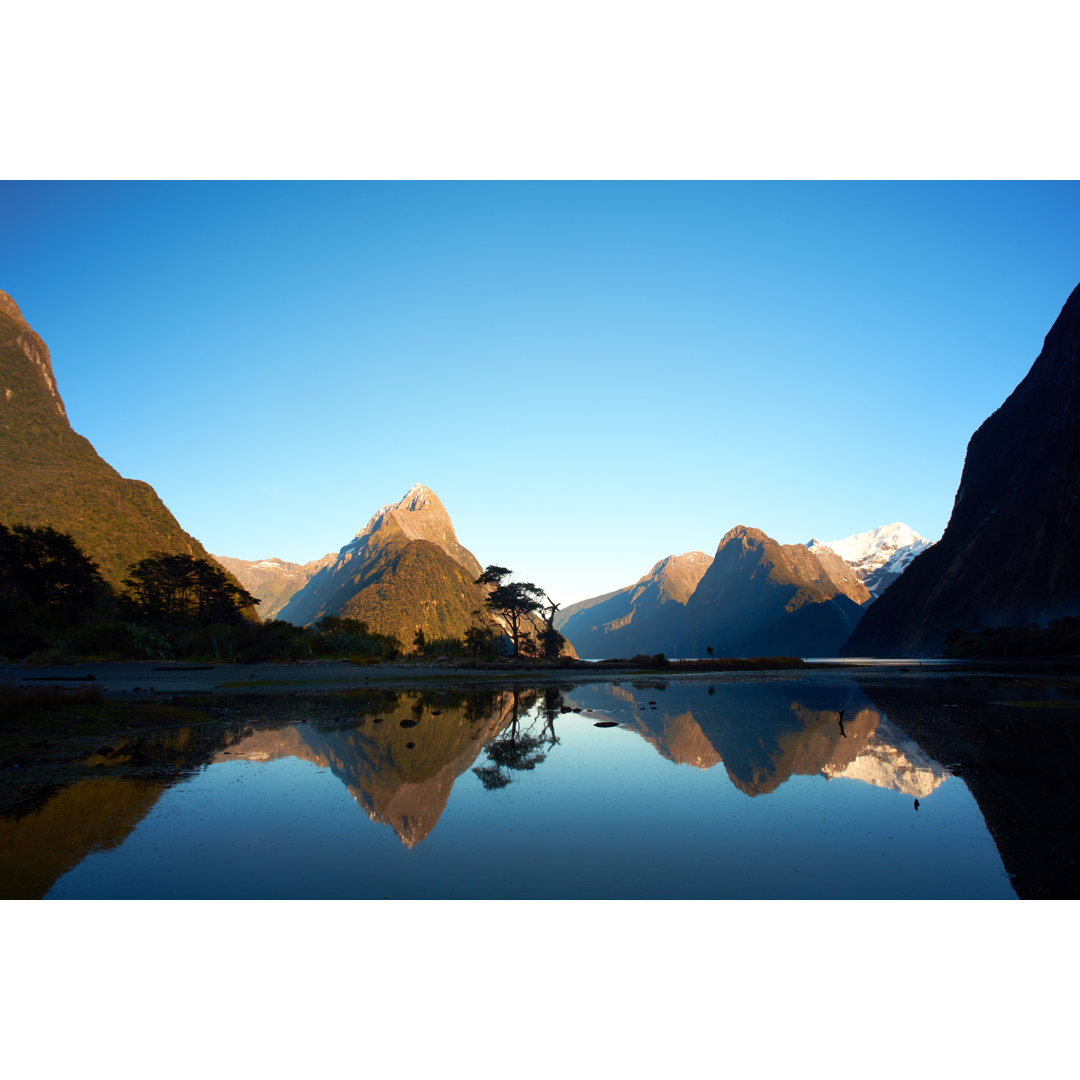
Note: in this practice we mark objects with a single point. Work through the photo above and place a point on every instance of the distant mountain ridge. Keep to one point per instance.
(273, 582)
(1010, 554)
(761, 598)
(755, 597)
(49, 475)
(605, 625)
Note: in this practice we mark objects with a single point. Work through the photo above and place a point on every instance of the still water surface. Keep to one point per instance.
(738, 789)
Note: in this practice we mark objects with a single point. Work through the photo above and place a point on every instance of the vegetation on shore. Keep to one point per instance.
(56, 606)
(1060, 638)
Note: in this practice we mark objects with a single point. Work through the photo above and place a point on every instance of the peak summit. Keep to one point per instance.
(418, 515)
(9, 307)
(870, 549)
(747, 534)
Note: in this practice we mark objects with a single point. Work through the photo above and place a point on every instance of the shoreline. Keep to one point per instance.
(146, 678)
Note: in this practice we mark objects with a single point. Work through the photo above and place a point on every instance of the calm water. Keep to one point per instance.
(751, 789)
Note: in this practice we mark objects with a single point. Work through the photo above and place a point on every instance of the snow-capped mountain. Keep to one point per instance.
(878, 556)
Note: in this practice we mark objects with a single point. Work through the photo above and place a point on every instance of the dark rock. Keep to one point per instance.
(1010, 554)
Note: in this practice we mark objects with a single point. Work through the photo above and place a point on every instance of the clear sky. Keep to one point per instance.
(591, 376)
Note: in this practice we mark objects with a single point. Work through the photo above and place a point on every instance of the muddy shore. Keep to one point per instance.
(156, 678)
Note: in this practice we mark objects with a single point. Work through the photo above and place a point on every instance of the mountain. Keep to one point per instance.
(761, 598)
(754, 598)
(1010, 554)
(49, 475)
(273, 582)
(877, 557)
(643, 617)
(405, 570)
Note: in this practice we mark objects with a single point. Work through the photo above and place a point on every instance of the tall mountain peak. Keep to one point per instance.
(405, 570)
(749, 536)
(418, 515)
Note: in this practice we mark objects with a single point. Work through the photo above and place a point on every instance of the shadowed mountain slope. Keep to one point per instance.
(49, 475)
(644, 617)
(761, 598)
(1010, 554)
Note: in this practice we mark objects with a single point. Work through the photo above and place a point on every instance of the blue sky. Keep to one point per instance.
(591, 376)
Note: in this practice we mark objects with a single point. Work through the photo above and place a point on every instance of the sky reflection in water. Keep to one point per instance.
(720, 794)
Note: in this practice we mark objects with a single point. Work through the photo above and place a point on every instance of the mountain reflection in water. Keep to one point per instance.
(398, 763)
(763, 737)
(530, 799)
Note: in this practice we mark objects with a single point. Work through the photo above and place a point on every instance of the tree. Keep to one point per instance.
(44, 568)
(182, 588)
(419, 640)
(480, 641)
(511, 602)
(550, 640)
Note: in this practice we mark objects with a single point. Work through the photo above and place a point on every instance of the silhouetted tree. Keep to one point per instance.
(551, 641)
(419, 640)
(41, 567)
(480, 641)
(184, 589)
(512, 601)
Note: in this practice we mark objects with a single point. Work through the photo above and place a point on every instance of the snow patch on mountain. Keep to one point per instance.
(878, 556)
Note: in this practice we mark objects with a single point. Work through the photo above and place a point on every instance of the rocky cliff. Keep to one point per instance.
(49, 475)
(1010, 554)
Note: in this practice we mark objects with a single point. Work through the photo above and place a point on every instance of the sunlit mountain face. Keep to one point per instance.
(51, 475)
